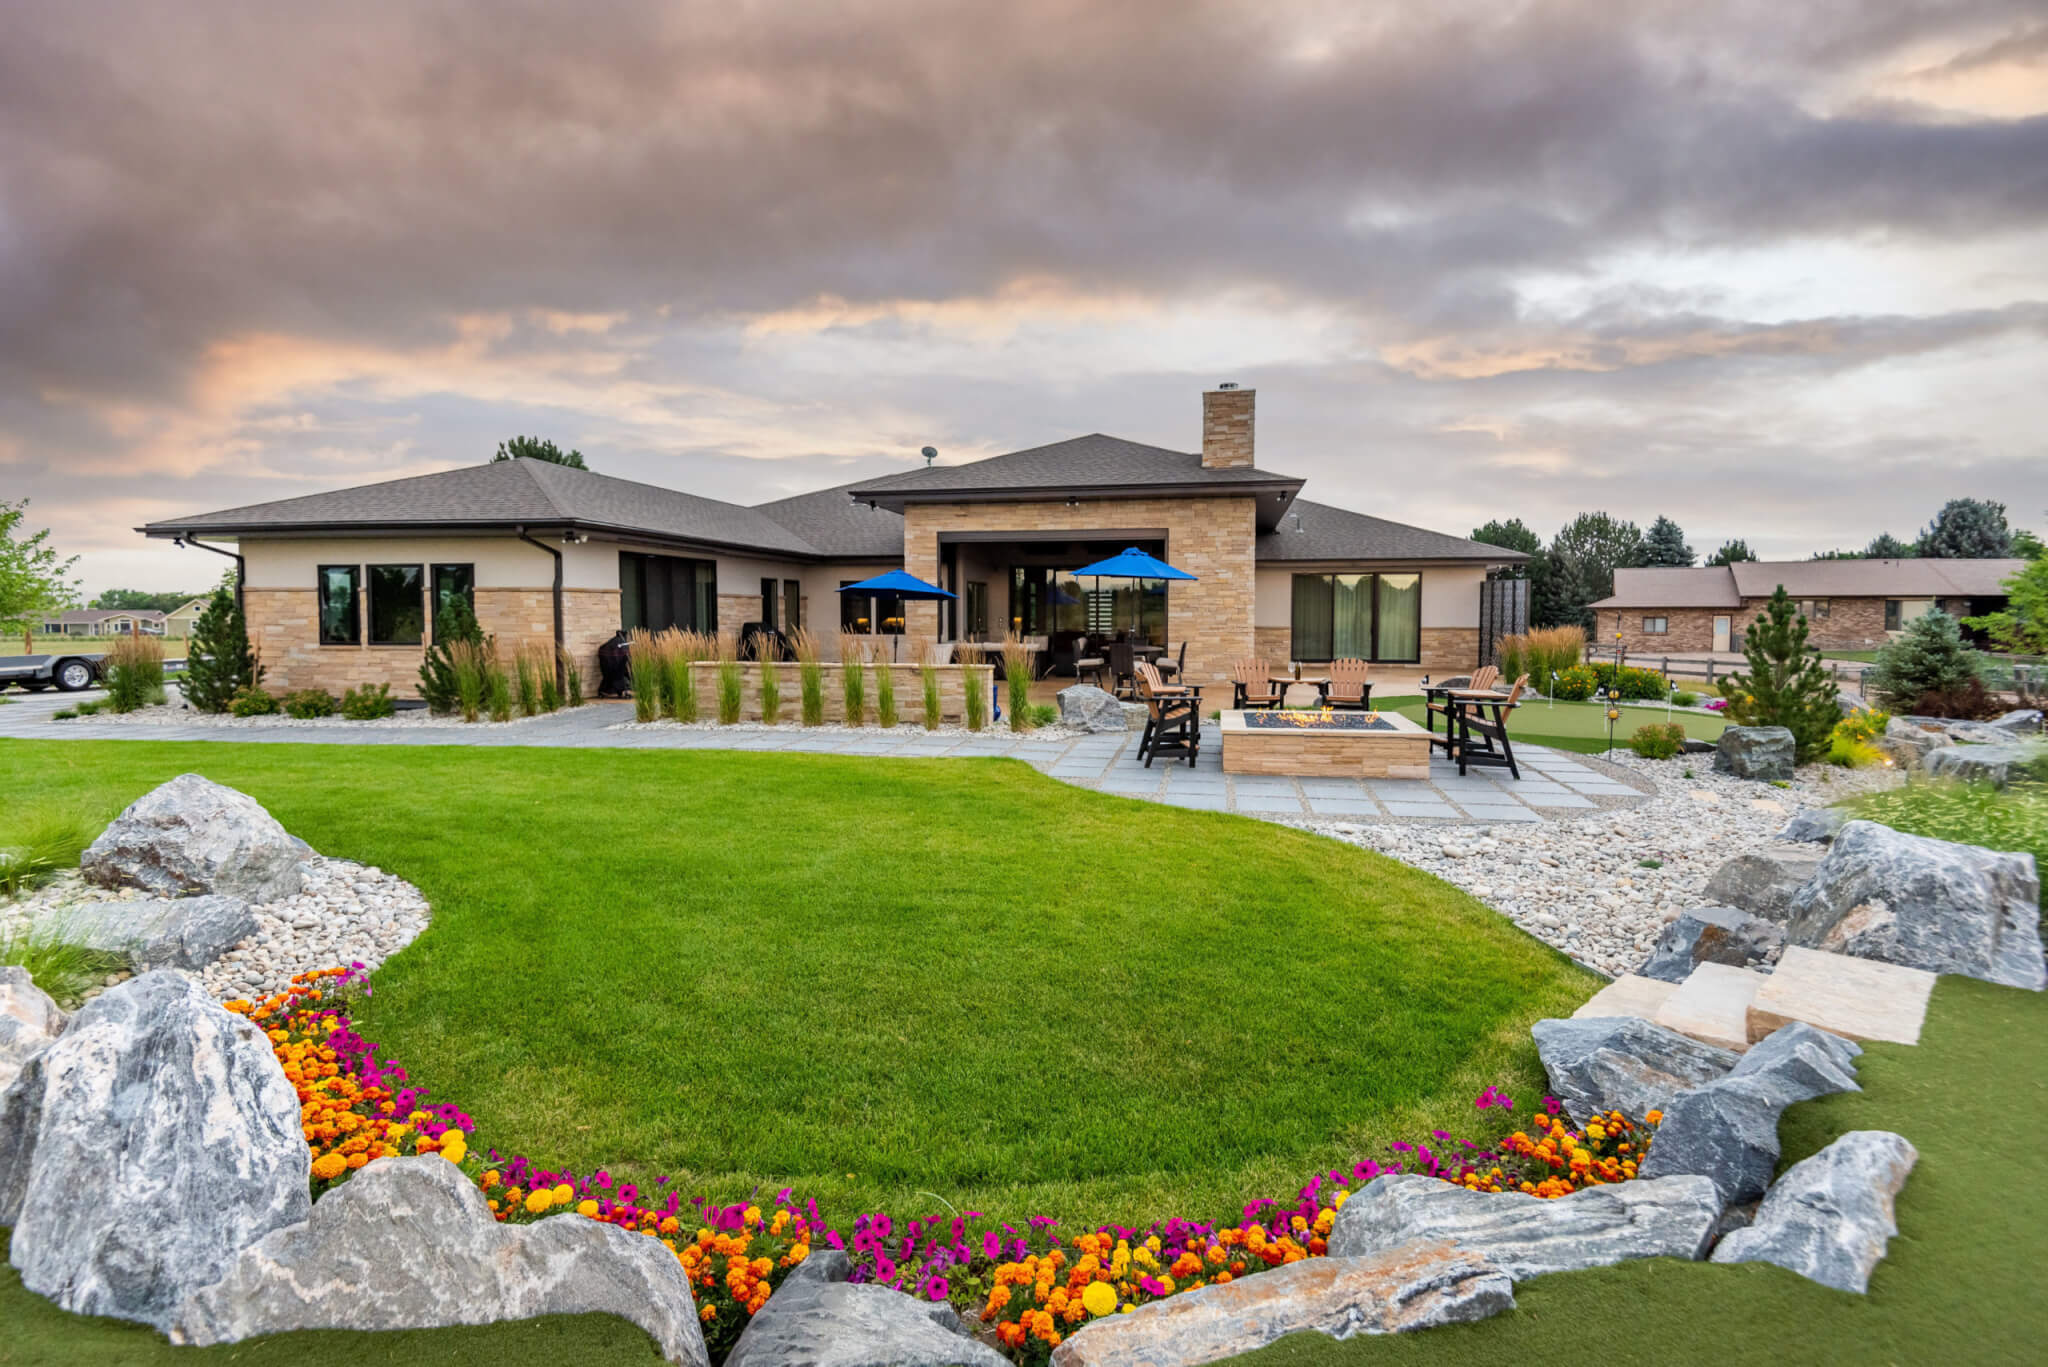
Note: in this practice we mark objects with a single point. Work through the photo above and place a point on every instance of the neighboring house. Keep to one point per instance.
(180, 620)
(104, 622)
(1848, 604)
(343, 588)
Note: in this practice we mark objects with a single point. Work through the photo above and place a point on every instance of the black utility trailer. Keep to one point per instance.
(38, 672)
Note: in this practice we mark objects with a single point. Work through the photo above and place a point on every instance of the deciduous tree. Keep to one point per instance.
(1967, 529)
(34, 579)
(1730, 552)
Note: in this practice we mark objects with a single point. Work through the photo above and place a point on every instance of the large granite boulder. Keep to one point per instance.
(1763, 883)
(1815, 825)
(1974, 733)
(192, 835)
(2025, 721)
(1727, 1130)
(183, 932)
(1924, 903)
(1759, 752)
(1416, 1286)
(1091, 709)
(139, 1153)
(29, 1022)
(1909, 742)
(1622, 1063)
(1527, 1236)
(409, 1243)
(1830, 1218)
(817, 1318)
(1712, 935)
(1997, 764)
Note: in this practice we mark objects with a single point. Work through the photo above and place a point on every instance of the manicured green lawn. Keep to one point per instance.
(890, 983)
(1580, 726)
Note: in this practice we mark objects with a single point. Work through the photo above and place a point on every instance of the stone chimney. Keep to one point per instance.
(1227, 427)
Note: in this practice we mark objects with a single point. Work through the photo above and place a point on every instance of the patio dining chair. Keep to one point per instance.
(1088, 661)
(1122, 669)
(1250, 685)
(1482, 740)
(1173, 718)
(1350, 684)
(1175, 668)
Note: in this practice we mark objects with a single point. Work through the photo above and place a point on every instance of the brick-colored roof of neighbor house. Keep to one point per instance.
(1317, 531)
(1728, 586)
(534, 493)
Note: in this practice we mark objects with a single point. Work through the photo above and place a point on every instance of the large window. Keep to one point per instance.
(341, 622)
(977, 610)
(1358, 617)
(398, 605)
(657, 592)
(877, 615)
(452, 584)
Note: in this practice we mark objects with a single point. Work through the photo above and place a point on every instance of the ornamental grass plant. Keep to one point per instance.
(497, 686)
(40, 844)
(572, 678)
(470, 666)
(853, 649)
(771, 679)
(885, 694)
(928, 676)
(683, 649)
(1017, 675)
(526, 674)
(134, 673)
(731, 683)
(64, 969)
(973, 690)
(810, 677)
(646, 673)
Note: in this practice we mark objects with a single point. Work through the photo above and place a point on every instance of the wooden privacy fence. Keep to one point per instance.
(1679, 667)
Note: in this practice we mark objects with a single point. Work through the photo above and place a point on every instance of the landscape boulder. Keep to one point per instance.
(1815, 825)
(2024, 721)
(145, 1148)
(29, 1022)
(1622, 1063)
(1528, 1236)
(1974, 733)
(1764, 882)
(1416, 1286)
(1909, 743)
(1712, 935)
(1925, 903)
(192, 835)
(817, 1318)
(1998, 765)
(183, 932)
(1090, 709)
(1758, 752)
(409, 1243)
(1727, 1130)
(1831, 1217)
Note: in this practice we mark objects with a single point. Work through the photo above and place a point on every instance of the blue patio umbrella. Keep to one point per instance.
(898, 584)
(1131, 563)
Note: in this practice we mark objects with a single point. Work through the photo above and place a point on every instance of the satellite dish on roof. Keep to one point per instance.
(930, 454)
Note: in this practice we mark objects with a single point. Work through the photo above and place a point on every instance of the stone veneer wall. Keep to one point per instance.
(284, 627)
(1210, 538)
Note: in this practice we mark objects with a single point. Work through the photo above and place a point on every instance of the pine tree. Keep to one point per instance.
(1968, 529)
(1664, 544)
(1885, 546)
(219, 663)
(1731, 552)
(1786, 684)
(454, 621)
(1929, 667)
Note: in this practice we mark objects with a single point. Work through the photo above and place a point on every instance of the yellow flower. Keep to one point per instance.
(586, 1207)
(564, 1194)
(1099, 1298)
(539, 1201)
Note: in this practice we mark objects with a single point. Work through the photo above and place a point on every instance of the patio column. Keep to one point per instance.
(920, 558)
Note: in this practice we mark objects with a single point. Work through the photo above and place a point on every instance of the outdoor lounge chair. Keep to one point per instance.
(1350, 684)
(1173, 718)
(1250, 685)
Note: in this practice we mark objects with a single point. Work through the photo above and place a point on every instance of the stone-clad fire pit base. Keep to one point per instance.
(1325, 745)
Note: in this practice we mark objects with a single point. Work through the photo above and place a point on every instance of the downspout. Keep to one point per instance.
(241, 567)
(561, 681)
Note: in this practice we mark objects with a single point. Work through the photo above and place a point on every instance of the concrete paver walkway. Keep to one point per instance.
(1553, 784)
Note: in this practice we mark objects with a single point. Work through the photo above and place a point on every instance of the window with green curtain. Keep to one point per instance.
(1314, 604)
(1351, 602)
(1400, 613)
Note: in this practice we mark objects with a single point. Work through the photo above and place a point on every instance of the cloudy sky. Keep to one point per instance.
(1777, 269)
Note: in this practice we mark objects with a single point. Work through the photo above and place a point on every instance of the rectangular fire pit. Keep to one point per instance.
(1324, 743)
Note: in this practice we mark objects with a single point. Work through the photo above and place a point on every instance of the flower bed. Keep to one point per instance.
(1030, 1287)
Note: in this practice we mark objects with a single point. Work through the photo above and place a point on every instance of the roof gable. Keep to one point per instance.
(1318, 531)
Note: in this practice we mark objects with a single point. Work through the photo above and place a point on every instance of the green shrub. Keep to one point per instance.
(1577, 683)
(1658, 740)
(219, 663)
(307, 703)
(442, 684)
(1685, 698)
(1045, 714)
(1930, 671)
(253, 702)
(1866, 725)
(370, 702)
(1848, 753)
(134, 673)
(497, 688)
(1629, 681)
(40, 844)
(1786, 684)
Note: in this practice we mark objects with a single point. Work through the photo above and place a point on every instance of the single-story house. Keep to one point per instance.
(180, 620)
(1848, 604)
(343, 588)
(104, 622)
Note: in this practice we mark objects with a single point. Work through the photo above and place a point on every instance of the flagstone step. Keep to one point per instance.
(1861, 999)
(1712, 1005)
(1628, 995)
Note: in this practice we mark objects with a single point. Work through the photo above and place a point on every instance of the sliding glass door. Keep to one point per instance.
(1358, 617)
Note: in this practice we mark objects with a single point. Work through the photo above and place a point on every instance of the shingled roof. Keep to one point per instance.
(1727, 586)
(505, 494)
(1317, 531)
(836, 525)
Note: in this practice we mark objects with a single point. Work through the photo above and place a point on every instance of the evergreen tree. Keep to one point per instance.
(454, 620)
(219, 663)
(538, 448)
(1967, 529)
(1665, 544)
(1583, 559)
(1929, 666)
(1786, 684)
(1731, 552)
(1885, 546)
